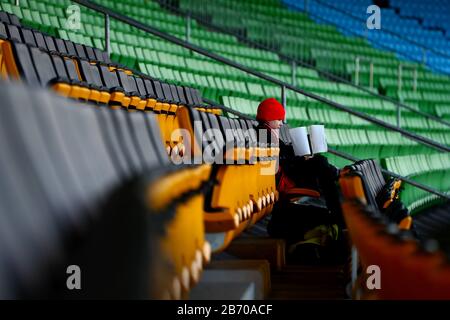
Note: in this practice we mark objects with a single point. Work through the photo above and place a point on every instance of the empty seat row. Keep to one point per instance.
(239, 157)
(41, 40)
(9, 18)
(410, 271)
(364, 180)
(80, 79)
(89, 80)
(63, 65)
(69, 170)
(69, 49)
(370, 173)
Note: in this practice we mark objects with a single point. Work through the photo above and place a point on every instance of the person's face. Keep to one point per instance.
(275, 124)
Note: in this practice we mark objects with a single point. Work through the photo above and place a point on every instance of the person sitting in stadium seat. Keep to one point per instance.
(294, 219)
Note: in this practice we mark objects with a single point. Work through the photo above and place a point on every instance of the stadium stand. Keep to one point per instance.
(121, 130)
(410, 270)
(401, 33)
(80, 172)
(221, 83)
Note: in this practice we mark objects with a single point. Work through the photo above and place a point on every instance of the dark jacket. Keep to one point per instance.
(296, 171)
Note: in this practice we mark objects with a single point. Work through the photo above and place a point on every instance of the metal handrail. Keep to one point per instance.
(303, 64)
(283, 85)
(395, 175)
(214, 56)
(347, 156)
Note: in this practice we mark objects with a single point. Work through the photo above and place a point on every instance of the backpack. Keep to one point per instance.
(310, 234)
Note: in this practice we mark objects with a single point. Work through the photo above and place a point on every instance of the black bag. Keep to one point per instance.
(310, 233)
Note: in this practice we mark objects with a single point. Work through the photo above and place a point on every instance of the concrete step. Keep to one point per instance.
(220, 290)
(269, 249)
(234, 279)
(309, 282)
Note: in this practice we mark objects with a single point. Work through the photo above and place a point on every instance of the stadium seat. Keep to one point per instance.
(77, 158)
(407, 268)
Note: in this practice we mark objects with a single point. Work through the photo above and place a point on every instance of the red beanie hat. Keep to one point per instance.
(270, 109)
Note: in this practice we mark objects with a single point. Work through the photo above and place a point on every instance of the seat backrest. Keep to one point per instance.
(71, 70)
(50, 43)
(61, 46)
(129, 147)
(113, 143)
(167, 92)
(175, 96)
(79, 49)
(158, 91)
(285, 135)
(3, 33)
(155, 135)
(13, 33)
(40, 40)
(24, 63)
(4, 17)
(90, 73)
(141, 87)
(181, 95)
(196, 96)
(141, 135)
(90, 54)
(109, 78)
(150, 88)
(189, 98)
(372, 177)
(28, 37)
(70, 46)
(44, 65)
(14, 20)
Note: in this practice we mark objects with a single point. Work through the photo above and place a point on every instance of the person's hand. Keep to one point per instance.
(308, 157)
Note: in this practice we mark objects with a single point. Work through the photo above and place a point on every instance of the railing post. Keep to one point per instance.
(371, 75)
(283, 96)
(399, 89)
(294, 72)
(357, 70)
(424, 56)
(188, 27)
(400, 77)
(415, 79)
(107, 36)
